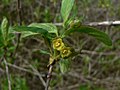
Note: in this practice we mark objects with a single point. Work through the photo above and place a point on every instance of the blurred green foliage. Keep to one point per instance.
(96, 65)
(18, 83)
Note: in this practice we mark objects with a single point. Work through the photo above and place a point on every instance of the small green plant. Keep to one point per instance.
(59, 51)
(18, 83)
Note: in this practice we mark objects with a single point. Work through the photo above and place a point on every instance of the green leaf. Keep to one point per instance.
(6, 2)
(27, 34)
(1, 39)
(51, 28)
(24, 29)
(24, 33)
(66, 8)
(84, 87)
(64, 65)
(17, 83)
(44, 52)
(4, 30)
(99, 35)
(4, 27)
(72, 17)
(20, 84)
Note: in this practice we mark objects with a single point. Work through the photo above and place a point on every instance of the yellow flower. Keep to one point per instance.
(65, 52)
(57, 44)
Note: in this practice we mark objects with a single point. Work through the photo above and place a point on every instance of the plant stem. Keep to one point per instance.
(7, 73)
(102, 23)
(19, 12)
(19, 7)
(7, 69)
(49, 77)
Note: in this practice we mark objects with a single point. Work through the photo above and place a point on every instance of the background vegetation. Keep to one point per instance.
(97, 68)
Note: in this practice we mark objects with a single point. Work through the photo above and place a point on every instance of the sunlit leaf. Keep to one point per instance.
(1, 39)
(27, 34)
(66, 8)
(99, 35)
(64, 65)
(28, 31)
(44, 52)
(51, 28)
(4, 30)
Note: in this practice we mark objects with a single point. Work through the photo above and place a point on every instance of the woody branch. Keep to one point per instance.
(103, 23)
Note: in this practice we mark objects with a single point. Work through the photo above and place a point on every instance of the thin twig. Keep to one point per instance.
(7, 73)
(98, 53)
(19, 68)
(1, 71)
(49, 77)
(73, 86)
(1, 58)
(39, 75)
(19, 7)
(6, 68)
(103, 23)
(23, 69)
(36, 73)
